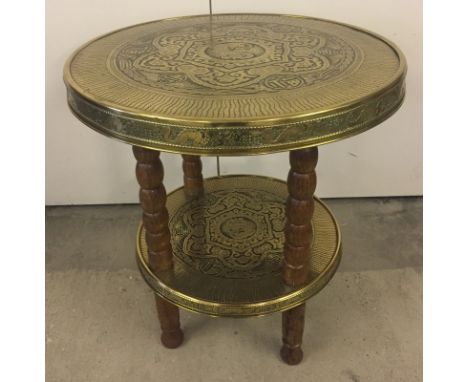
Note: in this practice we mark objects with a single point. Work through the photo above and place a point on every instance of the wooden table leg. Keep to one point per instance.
(293, 327)
(168, 314)
(193, 179)
(298, 236)
(150, 174)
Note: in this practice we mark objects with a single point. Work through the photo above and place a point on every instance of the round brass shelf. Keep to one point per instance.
(235, 84)
(228, 246)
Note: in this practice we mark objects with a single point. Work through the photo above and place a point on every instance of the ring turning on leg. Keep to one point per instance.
(298, 237)
(150, 174)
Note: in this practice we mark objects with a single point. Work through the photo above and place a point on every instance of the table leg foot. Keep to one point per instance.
(293, 327)
(168, 314)
(291, 356)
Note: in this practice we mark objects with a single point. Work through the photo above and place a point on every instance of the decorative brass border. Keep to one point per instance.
(237, 140)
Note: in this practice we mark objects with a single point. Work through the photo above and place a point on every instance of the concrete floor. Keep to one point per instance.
(366, 325)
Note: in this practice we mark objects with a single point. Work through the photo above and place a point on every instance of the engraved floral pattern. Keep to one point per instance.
(232, 233)
(235, 58)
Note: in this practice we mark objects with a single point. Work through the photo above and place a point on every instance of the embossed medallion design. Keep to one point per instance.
(231, 234)
(234, 58)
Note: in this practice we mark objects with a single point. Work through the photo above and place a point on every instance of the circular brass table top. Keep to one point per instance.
(235, 84)
(228, 249)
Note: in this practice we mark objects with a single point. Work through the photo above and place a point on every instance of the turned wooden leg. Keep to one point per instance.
(298, 236)
(169, 320)
(293, 327)
(150, 173)
(193, 179)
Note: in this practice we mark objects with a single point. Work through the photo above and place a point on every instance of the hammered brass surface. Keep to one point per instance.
(243, 84)
(228, 249)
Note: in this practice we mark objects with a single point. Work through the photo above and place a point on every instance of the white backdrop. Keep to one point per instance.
(84, 167)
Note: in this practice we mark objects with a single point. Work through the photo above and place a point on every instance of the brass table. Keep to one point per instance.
(235, 84)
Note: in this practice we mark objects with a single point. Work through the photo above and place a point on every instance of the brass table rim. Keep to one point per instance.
(250, 151)
(147, 129)
(301, 293)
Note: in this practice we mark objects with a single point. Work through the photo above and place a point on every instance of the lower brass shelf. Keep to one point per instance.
(228, 245)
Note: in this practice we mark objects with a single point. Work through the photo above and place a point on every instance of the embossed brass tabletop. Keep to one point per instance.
(248, 84)
(235, 84)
